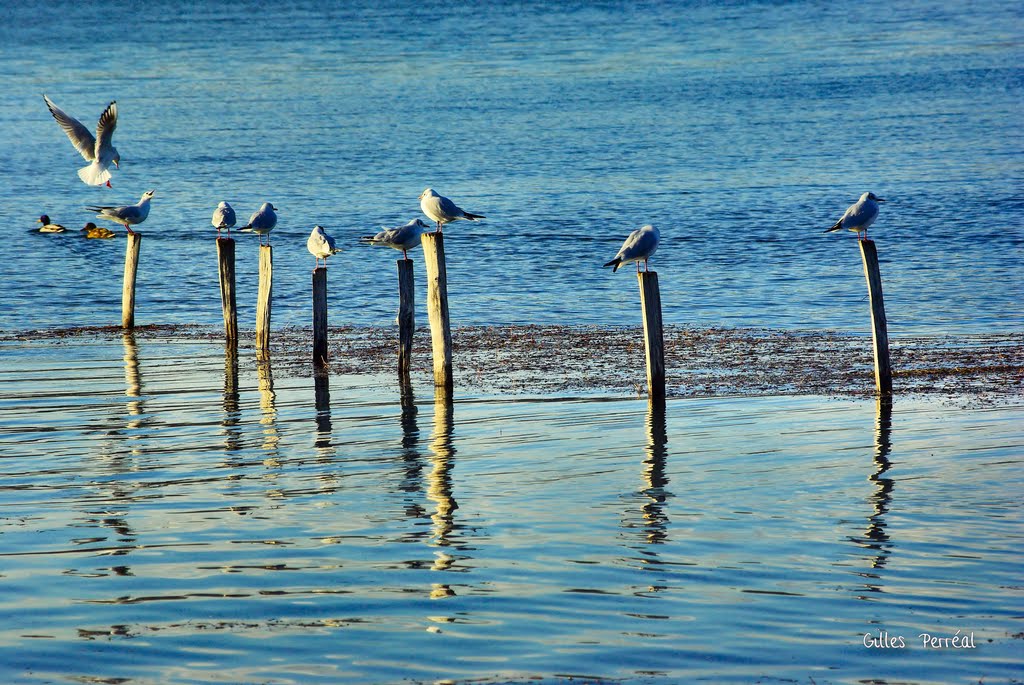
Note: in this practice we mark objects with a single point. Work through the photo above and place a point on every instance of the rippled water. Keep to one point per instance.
(205, 521)
(741, 128)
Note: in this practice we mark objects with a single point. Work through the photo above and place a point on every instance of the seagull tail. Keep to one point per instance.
(839, 224)
(615, 263)
(246, 229)
(367, 239)
(94, 175)
(473, 217)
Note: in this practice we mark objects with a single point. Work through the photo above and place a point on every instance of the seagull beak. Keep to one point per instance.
(879, 199)
(117, 165)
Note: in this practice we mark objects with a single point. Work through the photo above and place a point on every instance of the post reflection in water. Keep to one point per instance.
(322, 398)
(265, 381)
(875, 537)
(439, 485)
(654, 515)
(412, 480)
(132, 380)
(232, 410)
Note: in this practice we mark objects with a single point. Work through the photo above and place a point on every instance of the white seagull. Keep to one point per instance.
(859, 215)
(223, 217)
(100, 151)
(128, 215)
(262, 221)
(321, 246)
(402, 238)
(442, 210)
(639, 246)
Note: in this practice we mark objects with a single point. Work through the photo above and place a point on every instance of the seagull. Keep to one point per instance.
(91, 230)
(639, 246)
(100, 151)
(442, 210)
(859, 215)
(128, 215)
(321, 246)
(223, 217)
(47, 227)
(262, 221)
(402, 238)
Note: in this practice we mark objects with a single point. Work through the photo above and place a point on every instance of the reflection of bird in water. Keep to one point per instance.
(439, 480)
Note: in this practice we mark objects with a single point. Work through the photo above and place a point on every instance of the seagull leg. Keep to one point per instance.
(108, 185)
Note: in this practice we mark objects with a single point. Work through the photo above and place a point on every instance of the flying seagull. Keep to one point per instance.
(442, 210)
(98, 150)
(402, 238)
(859, 215)
(639, 247)
(128, 215)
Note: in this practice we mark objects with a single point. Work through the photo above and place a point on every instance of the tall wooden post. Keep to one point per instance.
(263, 297)
(654, 344)
(406, 316)
(131, 265)
(879, 332)
(437, 307)
(226, 268)
(320, 316)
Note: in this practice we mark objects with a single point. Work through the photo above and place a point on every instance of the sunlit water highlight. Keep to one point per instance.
(182, 521)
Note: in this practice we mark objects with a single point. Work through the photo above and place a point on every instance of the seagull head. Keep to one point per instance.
(148, 195)
(318, 229)
(429, 192)
(872, 196)
(116, 160)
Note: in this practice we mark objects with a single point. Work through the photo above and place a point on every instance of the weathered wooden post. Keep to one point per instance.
(879, 333)
(437, 308)
(226, 269)
(654, 343)
(320, 316)
(406, 316)
(263, 297)
(131, 265)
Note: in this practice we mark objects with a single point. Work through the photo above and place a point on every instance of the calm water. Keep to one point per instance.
(741, 129)
(208, 522)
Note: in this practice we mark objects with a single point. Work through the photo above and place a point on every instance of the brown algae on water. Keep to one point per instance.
(529, 359)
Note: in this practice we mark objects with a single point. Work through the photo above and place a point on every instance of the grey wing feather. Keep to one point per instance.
(79, 135)
(105, 127)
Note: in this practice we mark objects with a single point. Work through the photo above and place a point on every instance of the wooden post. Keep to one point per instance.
(406, 316)
(437, 308)
(131, 264)
(879, 332)
(320, 316)
(263, 297)
(654, 344)
(226, 268)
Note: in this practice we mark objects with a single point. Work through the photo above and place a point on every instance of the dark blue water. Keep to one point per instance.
(741, 129)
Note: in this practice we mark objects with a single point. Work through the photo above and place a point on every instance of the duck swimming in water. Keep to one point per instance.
(47, 227)
(91, 230)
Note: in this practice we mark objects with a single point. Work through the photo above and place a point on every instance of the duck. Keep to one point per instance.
(91, 230)
(47, 227)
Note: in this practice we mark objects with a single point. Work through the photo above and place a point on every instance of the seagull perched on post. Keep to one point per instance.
(223, 217)
(321, 246)
(128, 215)
(859, 215)
(638, 247)
(262, 221)
(442, 210)
(402, 238)
(98, 150)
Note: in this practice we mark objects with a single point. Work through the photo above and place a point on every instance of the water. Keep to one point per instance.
(741, 129)
(216, 522)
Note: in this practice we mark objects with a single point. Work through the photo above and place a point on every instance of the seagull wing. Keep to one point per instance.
(105, 131)
(77, 133)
